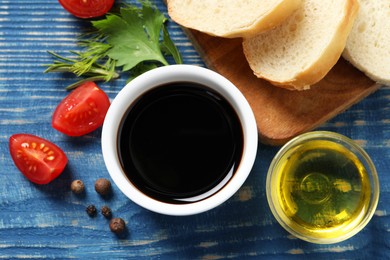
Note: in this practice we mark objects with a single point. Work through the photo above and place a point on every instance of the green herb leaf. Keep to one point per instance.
(135, 39)
(169, 47)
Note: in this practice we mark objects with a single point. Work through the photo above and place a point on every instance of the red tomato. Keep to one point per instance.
(38, 159)
(87, 8)
(82, 111)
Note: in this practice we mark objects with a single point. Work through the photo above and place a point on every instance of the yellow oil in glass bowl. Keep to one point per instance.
(322, 187)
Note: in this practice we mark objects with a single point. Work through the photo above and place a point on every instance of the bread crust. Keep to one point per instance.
(375, 65)
(302, 80)
(268, 21)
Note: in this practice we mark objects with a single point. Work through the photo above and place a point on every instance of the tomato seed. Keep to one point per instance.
(32, 168)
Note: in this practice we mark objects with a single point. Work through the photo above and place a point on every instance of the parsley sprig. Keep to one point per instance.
(136, 39)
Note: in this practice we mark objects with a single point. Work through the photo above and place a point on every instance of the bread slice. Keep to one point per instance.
(302, 50)
(368, 45)
(231, 18)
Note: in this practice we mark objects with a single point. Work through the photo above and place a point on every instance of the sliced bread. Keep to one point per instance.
(231, 18)
(302, 50)
(368, 44)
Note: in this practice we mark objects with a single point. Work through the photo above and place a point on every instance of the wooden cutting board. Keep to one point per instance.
(283, 114)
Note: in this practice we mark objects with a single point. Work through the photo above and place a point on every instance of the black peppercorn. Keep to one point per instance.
(77, 186)
(106, 212)
(103, 186)
(117, 225)
(91, 210)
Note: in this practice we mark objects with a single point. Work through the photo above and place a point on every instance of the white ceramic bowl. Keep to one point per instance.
(165, 75)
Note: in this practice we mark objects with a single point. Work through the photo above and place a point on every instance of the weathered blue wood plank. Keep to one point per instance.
(50, 222)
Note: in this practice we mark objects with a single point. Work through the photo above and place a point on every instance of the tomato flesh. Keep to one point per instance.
(38, 159)
(87, 8)
(82, 111)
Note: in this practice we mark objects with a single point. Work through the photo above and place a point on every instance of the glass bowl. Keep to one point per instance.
(322, 187)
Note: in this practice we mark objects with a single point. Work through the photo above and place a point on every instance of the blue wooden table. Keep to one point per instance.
(49, 221)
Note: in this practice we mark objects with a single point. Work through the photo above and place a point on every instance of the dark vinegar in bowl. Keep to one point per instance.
(180, 142)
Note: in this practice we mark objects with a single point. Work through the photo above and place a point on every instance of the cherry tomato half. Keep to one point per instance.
(87, 8)
(82, 111)
(38, 159)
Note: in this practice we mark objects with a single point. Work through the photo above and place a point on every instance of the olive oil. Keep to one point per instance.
(322, 189)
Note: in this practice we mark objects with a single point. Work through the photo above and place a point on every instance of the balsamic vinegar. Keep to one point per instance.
(179, 141)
